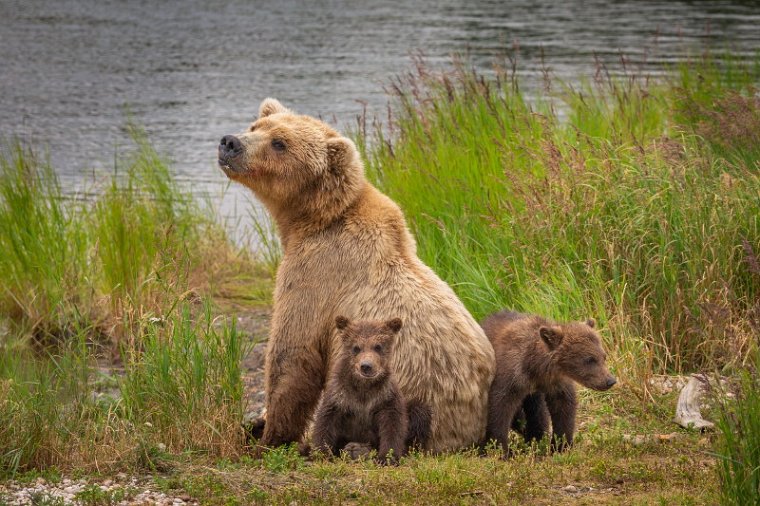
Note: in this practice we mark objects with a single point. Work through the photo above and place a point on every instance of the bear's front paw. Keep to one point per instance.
(389, 460)
(254, 429)
(357, 451)
(305, 449)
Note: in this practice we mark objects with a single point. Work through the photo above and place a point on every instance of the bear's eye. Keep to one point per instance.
(278, 145)
(590, 361)
(356, 349)
(378, 348)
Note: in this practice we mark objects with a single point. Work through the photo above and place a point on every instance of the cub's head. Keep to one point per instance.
(366, 347)
(578, 353)
(293, 163)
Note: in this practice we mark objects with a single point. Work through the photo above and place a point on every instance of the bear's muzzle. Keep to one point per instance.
(230, 148)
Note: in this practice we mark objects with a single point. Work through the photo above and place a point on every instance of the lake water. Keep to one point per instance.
(191, 71)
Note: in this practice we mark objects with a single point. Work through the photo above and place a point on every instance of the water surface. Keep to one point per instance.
(191, 71)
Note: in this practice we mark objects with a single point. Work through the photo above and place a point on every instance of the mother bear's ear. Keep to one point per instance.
(271, 106)
(341, 153)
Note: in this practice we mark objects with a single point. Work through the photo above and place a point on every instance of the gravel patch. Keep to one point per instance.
(120, 491)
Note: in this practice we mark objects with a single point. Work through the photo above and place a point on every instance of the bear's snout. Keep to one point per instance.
(366, 369)
(604, 383)
(229, 147)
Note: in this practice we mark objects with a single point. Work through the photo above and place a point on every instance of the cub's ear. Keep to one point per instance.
(271, 106)
(341, 322)
(340, 153)
(394, 325)
(552, 336)
(591, 322)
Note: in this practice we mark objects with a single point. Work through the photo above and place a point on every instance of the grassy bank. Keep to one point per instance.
(181, 392)
(109, 264)
(635, 202)
(111, 350)
(632, 201)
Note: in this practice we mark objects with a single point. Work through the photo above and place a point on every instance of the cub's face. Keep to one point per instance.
(579, 352)
(367, 346)
(283, 154)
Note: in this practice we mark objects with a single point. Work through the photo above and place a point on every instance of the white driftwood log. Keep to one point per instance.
(688, 409)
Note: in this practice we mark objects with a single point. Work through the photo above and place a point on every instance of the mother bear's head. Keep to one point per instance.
(298, 166)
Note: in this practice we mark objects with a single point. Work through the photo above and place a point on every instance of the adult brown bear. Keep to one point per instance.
(347, 251)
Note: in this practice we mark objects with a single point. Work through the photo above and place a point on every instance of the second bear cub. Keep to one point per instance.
(537, 362)
(362, 403)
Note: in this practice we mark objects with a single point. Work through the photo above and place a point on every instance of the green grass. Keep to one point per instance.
(148, 236)
(40, 401)
(185, 385)
(120, 279)
(111, 263)
(44, 248)
(627, 200)
(738, 446)
(181, 393)
(604, 468)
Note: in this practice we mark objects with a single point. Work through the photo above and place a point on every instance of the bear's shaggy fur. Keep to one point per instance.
(347, 250)
(537, 362)
(362, 403)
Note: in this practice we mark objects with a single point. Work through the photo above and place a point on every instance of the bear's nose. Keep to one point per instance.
(611, 381)
(366, 368)
(230, 146)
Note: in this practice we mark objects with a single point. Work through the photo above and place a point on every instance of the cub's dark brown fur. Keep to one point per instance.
(362, 403)
(537, 362)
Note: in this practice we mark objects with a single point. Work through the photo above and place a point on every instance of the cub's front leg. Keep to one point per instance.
(536, 417)
(504, 401)
(562, 406)
(326, 429)
(392, 426)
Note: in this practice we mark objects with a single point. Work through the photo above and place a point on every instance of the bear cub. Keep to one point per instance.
(537, 363)
(362, 402)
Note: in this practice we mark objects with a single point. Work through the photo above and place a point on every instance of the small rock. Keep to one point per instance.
(570, 489)
(667, 438)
